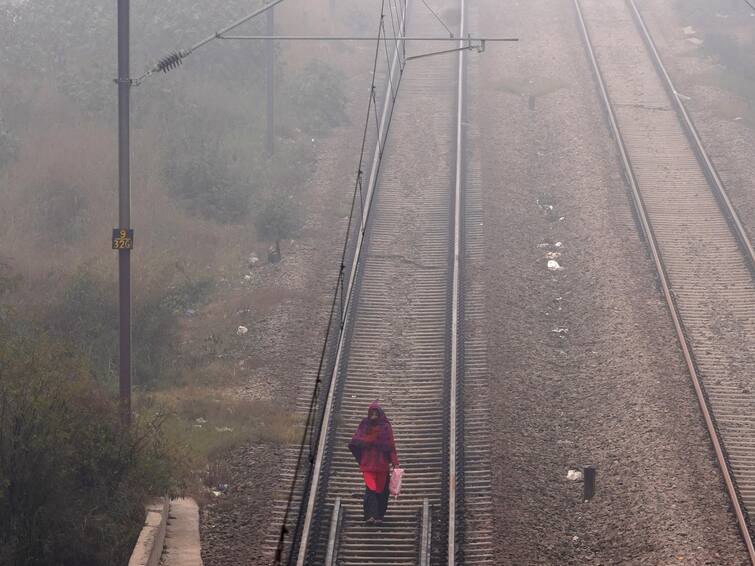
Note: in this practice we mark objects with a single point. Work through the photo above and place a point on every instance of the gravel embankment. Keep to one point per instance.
(585, 367)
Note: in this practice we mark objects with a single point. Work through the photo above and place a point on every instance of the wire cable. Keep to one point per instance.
(174, 59)
(437, 17)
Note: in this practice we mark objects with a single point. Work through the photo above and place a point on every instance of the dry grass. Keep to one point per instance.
(211, 422)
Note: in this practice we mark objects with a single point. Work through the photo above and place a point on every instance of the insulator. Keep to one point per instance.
(170, 62)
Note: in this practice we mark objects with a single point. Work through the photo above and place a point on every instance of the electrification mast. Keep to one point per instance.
(123, 234)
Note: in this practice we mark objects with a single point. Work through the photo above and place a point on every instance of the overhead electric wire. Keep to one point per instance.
(749, 4)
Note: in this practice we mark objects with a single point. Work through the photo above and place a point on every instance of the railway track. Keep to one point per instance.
(403, 340)
(704, 259)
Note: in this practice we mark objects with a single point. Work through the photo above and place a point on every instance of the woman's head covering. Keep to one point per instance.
(376, 433)
(375, 406)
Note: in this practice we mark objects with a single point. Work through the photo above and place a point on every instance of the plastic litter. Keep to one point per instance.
(574, 475)
(242, 330)
(397, 475)
(553, 265)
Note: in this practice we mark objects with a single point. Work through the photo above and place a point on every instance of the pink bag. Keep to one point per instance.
(395, 484)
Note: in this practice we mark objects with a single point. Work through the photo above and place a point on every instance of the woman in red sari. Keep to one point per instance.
(374, 448)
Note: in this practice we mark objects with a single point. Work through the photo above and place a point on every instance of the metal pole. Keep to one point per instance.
(270, 72)
(124, 210)
(588, 474)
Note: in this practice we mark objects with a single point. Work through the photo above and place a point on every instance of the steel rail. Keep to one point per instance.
(425, 537)
(455, 323)
(665, 285)
(331, 554)
(323, 433)
(710, 171)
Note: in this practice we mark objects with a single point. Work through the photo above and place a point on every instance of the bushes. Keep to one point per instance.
(207, 187)
(86, 316)
(72, 482)
(317, 96)
(62, 212)
(277, 218)
(7, 145)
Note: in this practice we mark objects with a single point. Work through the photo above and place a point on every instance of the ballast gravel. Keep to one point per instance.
(610, 388)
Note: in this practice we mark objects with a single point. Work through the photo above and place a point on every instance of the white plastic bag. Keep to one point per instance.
(394, 486)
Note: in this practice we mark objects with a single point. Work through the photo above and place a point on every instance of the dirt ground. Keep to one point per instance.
(585, 368)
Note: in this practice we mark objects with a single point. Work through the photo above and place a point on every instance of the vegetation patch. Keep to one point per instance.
(210, 423)
(73, 481)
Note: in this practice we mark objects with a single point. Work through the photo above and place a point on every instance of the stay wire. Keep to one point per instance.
(391, 4)
(388, 63)
(437, 17)
(338, 291)
(360, 169)
(377, 121)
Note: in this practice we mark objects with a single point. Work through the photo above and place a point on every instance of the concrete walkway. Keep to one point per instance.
(182, 538)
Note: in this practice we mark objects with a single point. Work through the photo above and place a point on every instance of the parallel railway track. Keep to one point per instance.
(704, 259)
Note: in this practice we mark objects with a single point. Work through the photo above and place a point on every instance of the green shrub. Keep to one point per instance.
(277, 218)
(62, 212)
(207, 188)
(317, 97)
(72, 482)
(8, 145)
(87, 316)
